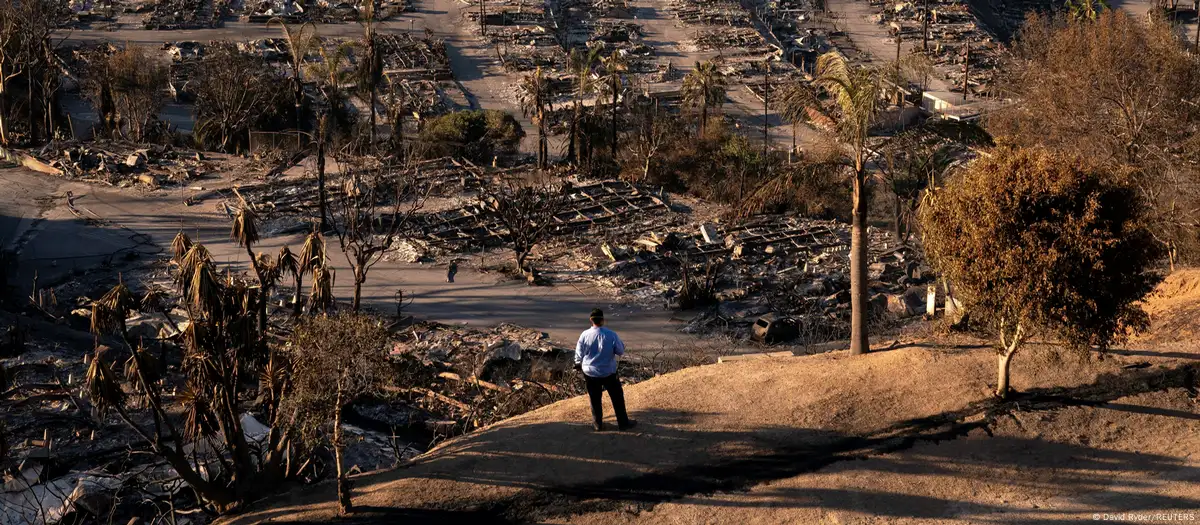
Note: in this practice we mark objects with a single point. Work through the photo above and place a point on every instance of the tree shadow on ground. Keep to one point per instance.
(561, 469)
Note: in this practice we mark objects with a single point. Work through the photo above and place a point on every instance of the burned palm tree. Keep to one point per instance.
(321, 296)
(110, 311)
(245, 232)
(286, 261)
(179, 247)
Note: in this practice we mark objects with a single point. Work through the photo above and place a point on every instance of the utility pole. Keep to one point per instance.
(925, 29)
(899, 89)
(482, 15)
(966, 68)
(766, 120)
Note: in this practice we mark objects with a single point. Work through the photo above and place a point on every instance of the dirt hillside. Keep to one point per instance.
(767, 441)
(1174, 308)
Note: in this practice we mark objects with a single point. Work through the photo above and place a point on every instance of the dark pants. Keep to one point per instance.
(596, 387)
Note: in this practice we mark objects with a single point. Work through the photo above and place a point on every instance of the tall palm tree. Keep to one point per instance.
(331, 75)
(615, 67)
(534, 98)
(370, 70)
(704, 88)
(858, 95)
(581, 63)
(299, 44)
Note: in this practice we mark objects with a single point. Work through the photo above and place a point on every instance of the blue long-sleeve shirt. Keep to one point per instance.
(597, 351)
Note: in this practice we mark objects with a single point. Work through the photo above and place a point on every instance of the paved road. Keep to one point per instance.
(55, 243)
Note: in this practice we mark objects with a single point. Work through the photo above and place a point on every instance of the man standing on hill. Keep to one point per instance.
(596, 356)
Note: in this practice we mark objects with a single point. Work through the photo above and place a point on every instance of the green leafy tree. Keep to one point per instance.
(478, 135)
(1042, 243)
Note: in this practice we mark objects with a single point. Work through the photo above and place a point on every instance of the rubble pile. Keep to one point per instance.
(406, 56)
(801, 29)
(286, 204)
(462, 378)
(261, 11)
(123, 163)
(791, 267)
(186, 14)
(718, 13)
(955, 37)
(592, 204)
(736, 40)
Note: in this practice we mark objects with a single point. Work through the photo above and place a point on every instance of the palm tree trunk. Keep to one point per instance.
(321, 197)
(859, 343)
(297, 304)
(372, 102)
(703, 119)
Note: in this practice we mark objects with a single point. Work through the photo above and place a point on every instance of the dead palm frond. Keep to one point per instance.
(195, 257)
(141, 365)
(179, 247)
(287, 261)
(199, 420)
(244, 230)
(312, 254)
(101, 384)
(110, 310)
(321, 297)
(204, 290)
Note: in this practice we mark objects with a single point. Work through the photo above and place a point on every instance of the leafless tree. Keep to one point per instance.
(527, 212)
(652, 136)
(128, 87)
(234, 93)
(375, 208)
(27, 50)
